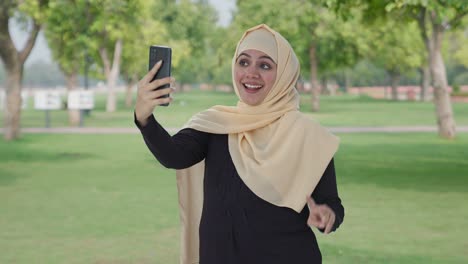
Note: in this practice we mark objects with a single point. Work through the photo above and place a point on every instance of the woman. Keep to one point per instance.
(245, 173)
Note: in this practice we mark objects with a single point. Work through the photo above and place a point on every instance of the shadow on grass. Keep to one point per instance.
(23, 155)
(22, 152)
(26, 149)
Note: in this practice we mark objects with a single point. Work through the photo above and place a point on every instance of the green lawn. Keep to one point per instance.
(103, 199)
(335, 111)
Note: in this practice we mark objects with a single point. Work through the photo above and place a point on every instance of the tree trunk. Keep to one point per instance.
(394, 81)
(324, 85)
(112, 73)
(129, 91)
(425, 68)
(425, 82)
(315, 89)
(347, 80)
(12, 115)
(73, 114)
(443, 105)
(13, 61)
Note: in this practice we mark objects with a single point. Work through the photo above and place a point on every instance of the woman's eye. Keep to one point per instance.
(265, 66)
(243, 63)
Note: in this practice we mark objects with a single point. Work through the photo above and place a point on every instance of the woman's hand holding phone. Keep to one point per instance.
(148, 97)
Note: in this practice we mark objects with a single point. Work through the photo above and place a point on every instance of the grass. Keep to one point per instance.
(103, 199)
(366, 111)
(335, 111)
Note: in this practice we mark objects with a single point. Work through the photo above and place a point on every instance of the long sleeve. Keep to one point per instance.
(326, 192)
(179, 151)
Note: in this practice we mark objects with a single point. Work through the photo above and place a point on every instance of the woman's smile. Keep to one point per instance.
(252, 88)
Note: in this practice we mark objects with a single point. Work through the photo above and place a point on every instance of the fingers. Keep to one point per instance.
(311, 203)
(159, 97)
(314, 220)
(314, 215)
(159, 82)
(159, 93)
(145, 87)
(321, 216)
(161, 101)
(149, 76)
(330, 223)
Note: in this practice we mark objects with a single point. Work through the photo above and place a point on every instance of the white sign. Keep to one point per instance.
(47, 100)
(3, 100)
(80, 99)
(24, 99)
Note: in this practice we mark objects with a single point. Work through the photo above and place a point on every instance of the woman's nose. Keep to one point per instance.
(252, 72)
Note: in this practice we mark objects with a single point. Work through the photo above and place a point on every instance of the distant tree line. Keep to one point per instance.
(388, 42)
(40, 74)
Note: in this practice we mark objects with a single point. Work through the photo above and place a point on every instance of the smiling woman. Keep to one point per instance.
(252, 178)
(254, 74)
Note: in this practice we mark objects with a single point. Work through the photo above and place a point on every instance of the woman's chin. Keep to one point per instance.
(252, 101)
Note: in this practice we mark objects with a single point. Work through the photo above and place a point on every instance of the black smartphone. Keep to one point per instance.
(157, 53)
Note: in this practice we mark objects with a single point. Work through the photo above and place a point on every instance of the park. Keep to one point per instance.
(80, 186)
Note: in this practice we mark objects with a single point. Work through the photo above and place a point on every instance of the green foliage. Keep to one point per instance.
(456, 46)
(341, 43)
(146, 32)
(191, 28)
(304, 23)
(461, 79)
(68, 35)
(37, 10)
(395, 46)
(202, 51)
(111, 21)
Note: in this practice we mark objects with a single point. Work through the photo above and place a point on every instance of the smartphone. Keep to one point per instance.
(157, 53)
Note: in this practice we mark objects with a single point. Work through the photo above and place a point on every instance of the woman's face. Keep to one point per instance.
(254, 74)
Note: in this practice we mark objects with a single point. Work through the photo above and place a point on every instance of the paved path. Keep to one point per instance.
(131, 130)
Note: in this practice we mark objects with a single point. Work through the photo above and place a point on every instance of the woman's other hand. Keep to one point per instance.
(148, 97)
(320, 215)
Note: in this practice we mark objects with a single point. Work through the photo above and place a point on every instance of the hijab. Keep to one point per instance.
(279, 153)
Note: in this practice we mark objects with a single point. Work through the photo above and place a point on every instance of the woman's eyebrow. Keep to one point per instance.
(261, 57)
(267, 57)
(245, 54)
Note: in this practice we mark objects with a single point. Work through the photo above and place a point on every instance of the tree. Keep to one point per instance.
(323, 42)
(225, 40)
(111, 20)
(66, 32)
(152, 31)
(191, 24)
(33, 14)
(135, 54)
(456, 57)
(395, 47)
(434, 17)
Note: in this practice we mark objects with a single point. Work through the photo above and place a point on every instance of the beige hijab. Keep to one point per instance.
(279, 153)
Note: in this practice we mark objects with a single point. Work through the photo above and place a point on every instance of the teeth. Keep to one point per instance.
(251, 86)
